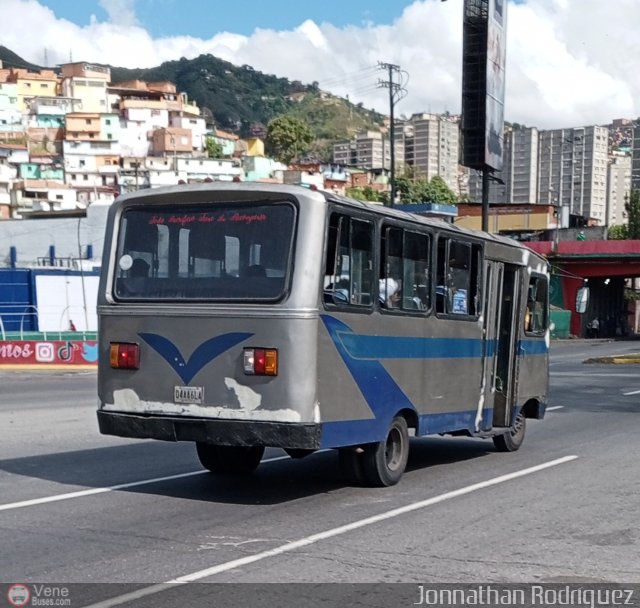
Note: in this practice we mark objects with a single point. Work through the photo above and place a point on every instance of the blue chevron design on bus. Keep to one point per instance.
(376, 384)
(362, 354)
(203, 354)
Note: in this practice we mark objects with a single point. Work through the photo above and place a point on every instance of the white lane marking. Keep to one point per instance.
(314, 538)
(555, 407)
(121, 486)
(631, 393)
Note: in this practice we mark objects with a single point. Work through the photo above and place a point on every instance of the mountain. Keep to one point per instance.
(11, 60)
(243, 100)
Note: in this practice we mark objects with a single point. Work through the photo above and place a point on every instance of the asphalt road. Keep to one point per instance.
(462, 512)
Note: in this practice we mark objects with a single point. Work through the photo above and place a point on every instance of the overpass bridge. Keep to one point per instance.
(607, 268)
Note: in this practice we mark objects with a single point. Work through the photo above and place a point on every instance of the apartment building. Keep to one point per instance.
(31, 85)
(635, 158)
(517, 183)
(92, 154)
(618, 189)
(86, 83)
(11, 118)
(431, 147)
(572, 170)
(369, 150)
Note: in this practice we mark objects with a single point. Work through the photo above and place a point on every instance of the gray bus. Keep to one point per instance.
(241, 316)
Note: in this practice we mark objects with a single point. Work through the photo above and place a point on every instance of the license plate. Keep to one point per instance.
(188, 394)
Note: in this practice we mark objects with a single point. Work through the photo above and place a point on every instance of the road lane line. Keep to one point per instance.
(314, 538)
(121, 486)
(555, 407)
(631, 393)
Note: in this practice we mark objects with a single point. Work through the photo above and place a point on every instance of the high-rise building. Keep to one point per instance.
(635, 158)
(369, 150)
(618, 188)
(431, 147)
(517, 183)
(573, 170)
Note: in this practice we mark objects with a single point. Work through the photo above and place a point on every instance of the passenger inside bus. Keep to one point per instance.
(139, 268)
(389, 292)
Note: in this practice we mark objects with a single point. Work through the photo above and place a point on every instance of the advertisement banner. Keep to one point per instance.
(48, 353)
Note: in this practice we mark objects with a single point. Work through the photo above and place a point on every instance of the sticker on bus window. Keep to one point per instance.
(460, 302)
(126, 262)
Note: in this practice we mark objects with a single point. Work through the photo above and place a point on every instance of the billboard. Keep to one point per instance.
(483, 84)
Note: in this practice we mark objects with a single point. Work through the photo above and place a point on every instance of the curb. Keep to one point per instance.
(624, 360)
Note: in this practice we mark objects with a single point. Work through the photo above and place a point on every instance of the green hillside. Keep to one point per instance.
(243, 100)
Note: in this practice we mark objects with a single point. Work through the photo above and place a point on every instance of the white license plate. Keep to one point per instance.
(188, 394)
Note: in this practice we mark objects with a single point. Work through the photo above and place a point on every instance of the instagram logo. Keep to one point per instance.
(44, 352)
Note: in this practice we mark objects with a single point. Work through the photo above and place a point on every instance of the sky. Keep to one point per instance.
(570, 63)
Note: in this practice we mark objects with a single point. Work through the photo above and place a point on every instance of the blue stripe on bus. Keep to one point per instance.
(362, 354)
(399, 347)
(376, 384)
(533, 347)
(357, 432)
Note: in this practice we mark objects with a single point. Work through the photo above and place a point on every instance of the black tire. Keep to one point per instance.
(229, 460)
(513, 438)
(384, 462)
(350, 460)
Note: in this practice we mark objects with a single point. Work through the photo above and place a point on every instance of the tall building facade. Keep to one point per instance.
(618, 189)
(573, 170)
(369, 150)
(517, 183)
(431, 147)
(635, 158)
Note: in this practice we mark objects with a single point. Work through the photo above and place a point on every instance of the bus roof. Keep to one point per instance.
(320, 196)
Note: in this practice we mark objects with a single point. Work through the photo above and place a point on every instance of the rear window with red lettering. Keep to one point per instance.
(231, 252)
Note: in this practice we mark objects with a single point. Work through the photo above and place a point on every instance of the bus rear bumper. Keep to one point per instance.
(218, 432)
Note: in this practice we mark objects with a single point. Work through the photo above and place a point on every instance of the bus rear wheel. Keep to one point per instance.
(513, 438)
(229, 460)
(384, 462)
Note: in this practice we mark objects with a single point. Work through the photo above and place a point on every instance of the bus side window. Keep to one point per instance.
(537, 309)
(405, 278)
(349, 261)
(458, 277)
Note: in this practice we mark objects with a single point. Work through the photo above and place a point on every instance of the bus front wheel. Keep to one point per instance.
(229, 460)
(384, 462)
(513, 438)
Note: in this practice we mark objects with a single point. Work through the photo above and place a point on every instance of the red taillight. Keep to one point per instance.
(124, 355)
(260, 361)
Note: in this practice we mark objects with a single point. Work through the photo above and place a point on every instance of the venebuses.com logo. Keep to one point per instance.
(18, 594)
(38, 594)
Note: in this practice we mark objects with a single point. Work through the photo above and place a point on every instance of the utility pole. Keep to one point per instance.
(397, 91)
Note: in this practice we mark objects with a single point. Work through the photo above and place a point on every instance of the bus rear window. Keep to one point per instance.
(231, 252)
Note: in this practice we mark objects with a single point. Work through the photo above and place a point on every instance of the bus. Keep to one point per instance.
(241, 316)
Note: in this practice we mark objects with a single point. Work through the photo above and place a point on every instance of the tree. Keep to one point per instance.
(617, 233)
(367, 193)
(214, 149)
(441, 192)
(288, 138)
(632, 207)
(422, 191)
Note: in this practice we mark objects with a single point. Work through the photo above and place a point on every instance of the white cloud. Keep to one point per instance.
(569, 62)
(120, 12)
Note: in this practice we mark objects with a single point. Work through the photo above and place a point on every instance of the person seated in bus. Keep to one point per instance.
(337, 293)
(139, 268)
(389, 292)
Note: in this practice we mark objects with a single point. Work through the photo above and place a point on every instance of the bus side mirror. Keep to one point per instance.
(582, 300)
